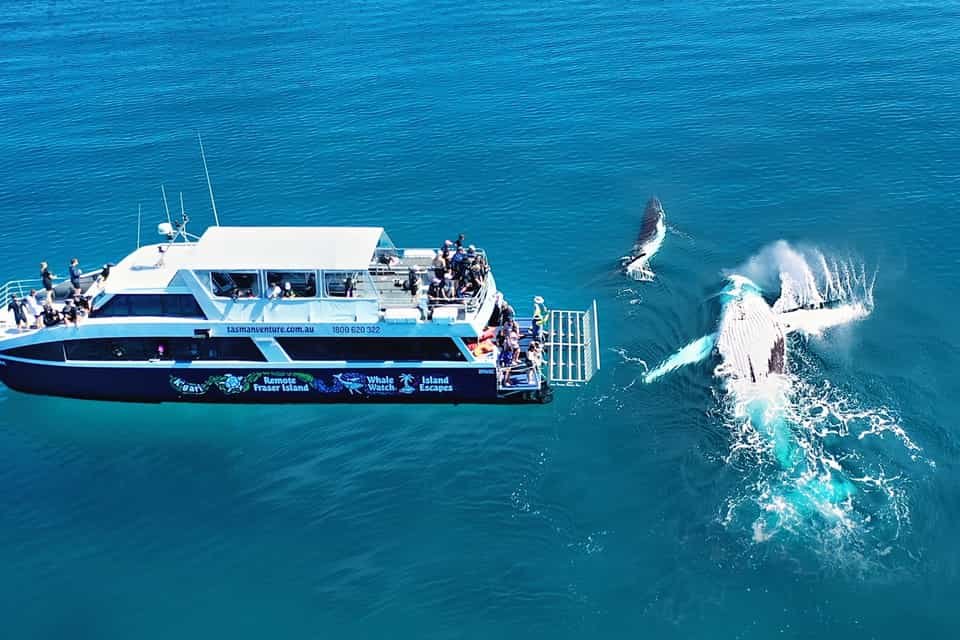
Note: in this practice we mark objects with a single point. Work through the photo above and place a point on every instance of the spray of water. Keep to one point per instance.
(807, 476)
(805, 277)
(795, 435)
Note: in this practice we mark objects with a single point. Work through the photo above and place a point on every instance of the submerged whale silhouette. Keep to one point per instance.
(652, 231)
(751, 343)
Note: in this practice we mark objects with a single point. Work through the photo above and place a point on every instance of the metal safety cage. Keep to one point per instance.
(572, 354)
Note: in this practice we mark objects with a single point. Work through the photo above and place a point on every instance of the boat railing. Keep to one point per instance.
(386, 277)
(19, 288)
(407, 257)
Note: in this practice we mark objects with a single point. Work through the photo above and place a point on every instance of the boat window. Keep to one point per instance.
(170, 305)
(146, 305)
(235, 284)
(371, 349)
(51, 351)
(182, 306)
(303, 284)
(347, 284)
(162, 348)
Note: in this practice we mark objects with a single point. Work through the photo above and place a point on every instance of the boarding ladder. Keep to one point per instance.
(572, 349)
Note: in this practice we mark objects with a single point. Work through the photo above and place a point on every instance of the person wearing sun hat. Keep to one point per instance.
(540, 317)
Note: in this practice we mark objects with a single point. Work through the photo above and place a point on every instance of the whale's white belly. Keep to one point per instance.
(750, 340)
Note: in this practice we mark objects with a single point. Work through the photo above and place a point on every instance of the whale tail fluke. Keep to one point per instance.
(696, 351)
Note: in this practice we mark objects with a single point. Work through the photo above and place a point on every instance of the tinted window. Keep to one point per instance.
(235, 284)
(117, 306)
(342, 284)
(45, 351)
(146, 305)
(371, 349)
(170, 305)
(182, 306)
(180, 349)
(303, 284)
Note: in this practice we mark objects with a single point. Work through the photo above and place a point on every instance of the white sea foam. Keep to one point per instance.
(795, 437)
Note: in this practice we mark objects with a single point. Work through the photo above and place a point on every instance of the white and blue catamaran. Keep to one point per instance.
(285, 314)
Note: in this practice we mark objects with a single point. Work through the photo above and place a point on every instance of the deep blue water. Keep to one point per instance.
(539, 129)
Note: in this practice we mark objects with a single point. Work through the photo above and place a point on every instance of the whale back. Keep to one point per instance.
(652, 222)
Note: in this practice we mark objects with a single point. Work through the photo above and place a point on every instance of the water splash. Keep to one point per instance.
(807, 478)
(806, 278)
(795, 435)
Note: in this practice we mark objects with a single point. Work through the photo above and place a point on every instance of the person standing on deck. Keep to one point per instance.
(540, 317)
(34, 309)
(439, 265)
(509, 354)
(47, 279)
(413, 282)
(497, 311)
(457, 263)
(534, 360)
(507, 314)
(75, 273)
(349, 286)
(19, 317)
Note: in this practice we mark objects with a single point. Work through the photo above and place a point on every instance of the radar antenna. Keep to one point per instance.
(165, 205)
(213, 203)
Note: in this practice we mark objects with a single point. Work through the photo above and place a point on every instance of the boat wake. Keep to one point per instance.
(798, 440)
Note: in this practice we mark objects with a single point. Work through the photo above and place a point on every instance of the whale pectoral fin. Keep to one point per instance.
(814, 319)
(694, 352)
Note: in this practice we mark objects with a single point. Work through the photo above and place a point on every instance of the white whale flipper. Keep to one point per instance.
(694, 352)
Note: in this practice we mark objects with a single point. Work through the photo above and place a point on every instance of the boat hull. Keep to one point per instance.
(181, 382)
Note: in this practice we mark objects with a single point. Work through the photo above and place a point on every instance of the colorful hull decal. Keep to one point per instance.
(188, 384)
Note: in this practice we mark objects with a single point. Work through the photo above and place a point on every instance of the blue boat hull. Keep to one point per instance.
(181, 382)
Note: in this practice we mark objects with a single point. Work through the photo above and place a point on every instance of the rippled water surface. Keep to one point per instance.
(539, 129)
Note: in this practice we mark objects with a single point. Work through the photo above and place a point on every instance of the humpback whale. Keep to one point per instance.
(751, 344)
(648, 242)
(750, 339)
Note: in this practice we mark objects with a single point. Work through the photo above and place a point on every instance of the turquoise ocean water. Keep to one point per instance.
(622, 510)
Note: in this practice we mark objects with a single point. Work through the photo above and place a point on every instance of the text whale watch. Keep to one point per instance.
(339, 314)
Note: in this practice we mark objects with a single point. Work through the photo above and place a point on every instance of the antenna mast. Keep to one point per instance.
(165, 205)
(213, 203)
(139, 216)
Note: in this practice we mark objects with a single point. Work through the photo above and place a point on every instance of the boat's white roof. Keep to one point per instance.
(143, 270)
(285, 248)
